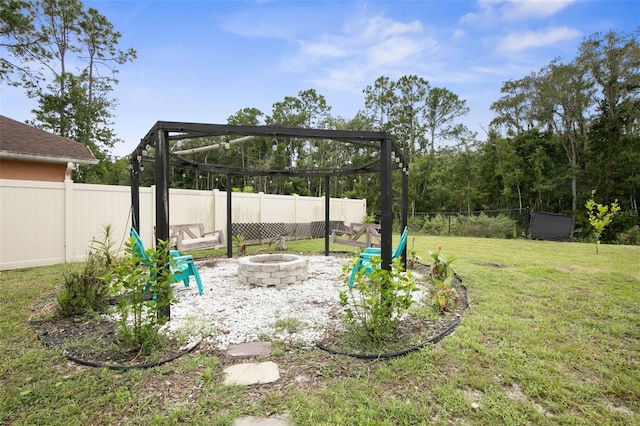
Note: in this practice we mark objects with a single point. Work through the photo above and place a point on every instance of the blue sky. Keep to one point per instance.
(202, 61)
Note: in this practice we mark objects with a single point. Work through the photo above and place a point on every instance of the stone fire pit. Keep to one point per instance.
(279, 270)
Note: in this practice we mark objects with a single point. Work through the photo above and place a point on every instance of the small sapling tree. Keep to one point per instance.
(600, 216)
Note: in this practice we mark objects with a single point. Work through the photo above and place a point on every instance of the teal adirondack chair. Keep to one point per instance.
(364, 259)
(184, 265)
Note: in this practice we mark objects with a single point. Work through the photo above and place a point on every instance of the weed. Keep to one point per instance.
(240, 243)
(290, 325)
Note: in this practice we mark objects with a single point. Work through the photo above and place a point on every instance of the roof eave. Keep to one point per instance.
(44, 159)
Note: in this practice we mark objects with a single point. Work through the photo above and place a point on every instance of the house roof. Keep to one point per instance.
(23, 142)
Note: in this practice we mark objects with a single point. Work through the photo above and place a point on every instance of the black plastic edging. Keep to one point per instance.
(133, 366)
(389, 355)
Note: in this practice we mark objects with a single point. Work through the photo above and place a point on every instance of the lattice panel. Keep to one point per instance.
(260, 233)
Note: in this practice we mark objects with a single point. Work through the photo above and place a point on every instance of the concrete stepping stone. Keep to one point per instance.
(250, 349)
(251, 373)
(261, 421)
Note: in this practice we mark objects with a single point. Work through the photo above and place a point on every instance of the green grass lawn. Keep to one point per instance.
(552, 337)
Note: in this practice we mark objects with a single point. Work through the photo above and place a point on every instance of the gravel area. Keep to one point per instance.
(231, 312)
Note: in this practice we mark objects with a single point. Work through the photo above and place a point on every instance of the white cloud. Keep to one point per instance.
(361, 51)
(322, 49)
(492, 11)
(517, 10)
(458, 34)
(393, 51)
(518, 41)
(380, 27)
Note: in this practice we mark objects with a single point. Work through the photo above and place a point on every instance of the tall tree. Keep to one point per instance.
(64, 55)
(565, 97)
(379, 101)
(514, 110)
(612, 61)
(442, 109)
(16, 20)
(406, 122)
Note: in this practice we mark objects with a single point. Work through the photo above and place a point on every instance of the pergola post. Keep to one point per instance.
(135, 191)
(162, 203)
(327, 204)
(386, 203)
(162, 186)
(405, 207)
(229, 220)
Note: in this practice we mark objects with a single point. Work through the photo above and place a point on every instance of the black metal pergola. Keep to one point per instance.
(162, 134)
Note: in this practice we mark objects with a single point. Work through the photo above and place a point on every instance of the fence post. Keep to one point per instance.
(260, 206)
(69, 221)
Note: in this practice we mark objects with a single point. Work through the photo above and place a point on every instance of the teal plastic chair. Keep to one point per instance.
(184, 267)
(363, 265)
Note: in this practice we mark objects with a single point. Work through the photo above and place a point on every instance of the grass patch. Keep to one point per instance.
(551, 338)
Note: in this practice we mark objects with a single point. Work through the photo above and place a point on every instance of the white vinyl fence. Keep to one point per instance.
(44, 223)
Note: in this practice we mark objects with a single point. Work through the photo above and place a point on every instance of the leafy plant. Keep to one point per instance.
(377, 300)
(446, 297)
(104, 249)
(441, 266)
(144, 290)
(240, 243)
(600, 216)
(369, 218)
(413, 254)
(84, 291)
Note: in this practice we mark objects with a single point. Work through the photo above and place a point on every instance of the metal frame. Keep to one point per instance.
(163, 132)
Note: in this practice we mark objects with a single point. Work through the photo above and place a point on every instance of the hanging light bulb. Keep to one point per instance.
(227, 145)
(275, 144)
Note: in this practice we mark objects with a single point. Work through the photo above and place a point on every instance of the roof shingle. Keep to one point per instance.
(23, 140)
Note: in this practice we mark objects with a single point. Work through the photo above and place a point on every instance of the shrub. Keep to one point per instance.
(480, 225)
(377, 300)
(144, 290)
(84, 291)
(491, 227)
(630, 237)
(437, 225)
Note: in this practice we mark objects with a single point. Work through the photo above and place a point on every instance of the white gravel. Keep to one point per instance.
(231, 312)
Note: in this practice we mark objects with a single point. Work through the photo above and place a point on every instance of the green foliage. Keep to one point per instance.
(240, 244)
(631, 237)
(68, 63)
(412, 253)
(600, 216)
(377, 300)
(445, 297)
(441, 266)
(370, 218)
(480, 225)
(144, 290)
(84, 290)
